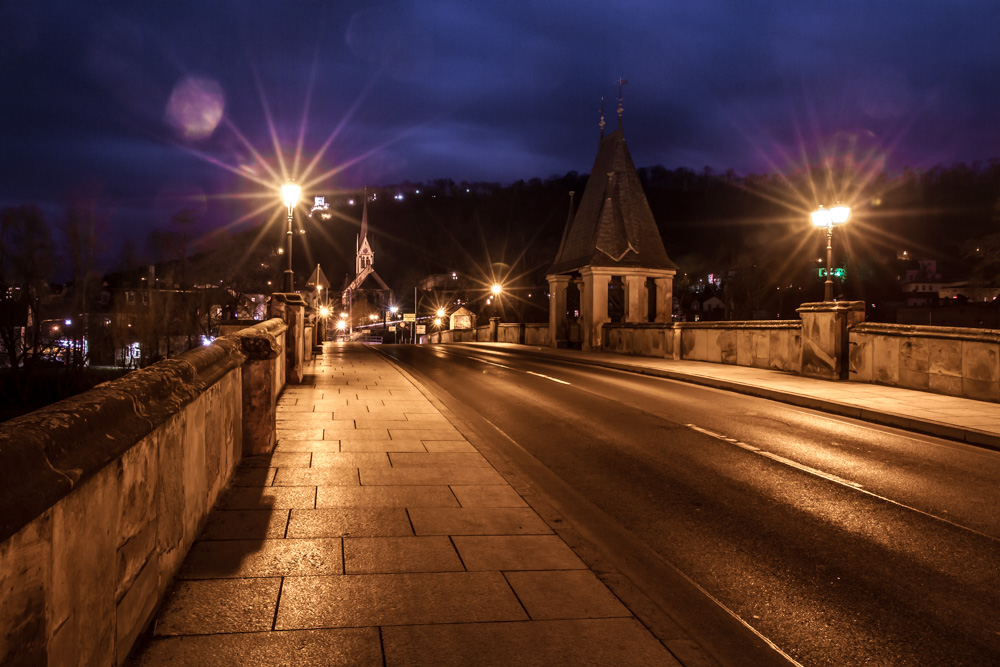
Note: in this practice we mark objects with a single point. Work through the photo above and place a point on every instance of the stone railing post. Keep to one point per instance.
(494, 329)
(259, 391)
(291, 307)
(825, 344)
(558, 285)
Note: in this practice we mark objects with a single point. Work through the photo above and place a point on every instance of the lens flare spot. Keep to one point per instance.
(195, 107)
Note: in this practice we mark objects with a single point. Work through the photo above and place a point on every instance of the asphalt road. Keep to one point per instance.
(842, 542)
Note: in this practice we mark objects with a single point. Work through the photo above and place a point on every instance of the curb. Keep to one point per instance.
(968, 436)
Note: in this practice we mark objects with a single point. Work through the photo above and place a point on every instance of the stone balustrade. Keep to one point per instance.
(761, 344)
(830, 342)
(945, 360)
(102, 494)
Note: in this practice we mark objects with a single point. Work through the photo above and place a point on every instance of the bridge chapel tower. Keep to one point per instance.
(611, 265)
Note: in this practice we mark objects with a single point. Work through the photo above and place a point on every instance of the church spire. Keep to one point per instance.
(602, 123)
(365, 256)
(621, 82)
(364, 219)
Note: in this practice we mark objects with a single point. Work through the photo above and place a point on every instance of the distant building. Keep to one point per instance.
(367, 297)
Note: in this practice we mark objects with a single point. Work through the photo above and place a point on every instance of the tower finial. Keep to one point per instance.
(621, 82)
(601, 124)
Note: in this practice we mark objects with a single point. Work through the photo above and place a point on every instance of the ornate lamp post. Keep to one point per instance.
(290, 192)
(823, 217)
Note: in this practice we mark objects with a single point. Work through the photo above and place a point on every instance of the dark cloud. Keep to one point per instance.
(477, 91)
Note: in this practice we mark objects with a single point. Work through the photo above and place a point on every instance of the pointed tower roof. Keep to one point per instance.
(364, 219)
(614, 225)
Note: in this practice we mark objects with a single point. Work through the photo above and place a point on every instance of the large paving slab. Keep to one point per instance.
(358, 600)
(341, 646)
(377, 534)
(576, 642)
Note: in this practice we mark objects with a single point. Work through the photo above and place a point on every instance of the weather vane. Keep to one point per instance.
(601, 124)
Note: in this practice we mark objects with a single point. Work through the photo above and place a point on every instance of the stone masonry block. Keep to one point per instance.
(25, 573)
(914, 379)
(885, 360)
(744, 348)
(170, 499)
(914, 356)
(135, 608)
(215, 436)
(945, 357)
(84, 540)
(687, 344)
(980, 361)
(727, 346)
(860, 358)
(137, 481)
(779, 354)
(945, 384)
(193, 466)
(982, 390)
(712, 348)
(133, 556)
(760, 348)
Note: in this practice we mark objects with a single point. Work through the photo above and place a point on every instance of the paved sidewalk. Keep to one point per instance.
(975, 422)
(376, 534)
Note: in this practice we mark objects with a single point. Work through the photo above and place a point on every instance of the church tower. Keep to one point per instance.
(364, 255)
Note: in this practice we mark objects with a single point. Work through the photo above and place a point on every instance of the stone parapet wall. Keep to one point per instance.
(640, 339)
(524, 334)
(774, 344)
(944, 360)
(102, 494)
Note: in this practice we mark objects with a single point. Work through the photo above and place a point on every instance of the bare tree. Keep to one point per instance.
(25, 263)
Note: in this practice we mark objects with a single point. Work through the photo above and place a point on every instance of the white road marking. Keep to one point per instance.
(547, 377)
(541, 375)
(833, 478)
(775, 457)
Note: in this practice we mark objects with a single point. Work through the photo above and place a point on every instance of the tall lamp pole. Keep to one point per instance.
(830, 217)
(290, 192)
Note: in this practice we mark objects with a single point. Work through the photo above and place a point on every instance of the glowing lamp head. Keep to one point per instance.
(496, 289)
(324, 311)
(840, 214)
(341, 324)
(343, 316)
(828, 217)
(821, 217)
(290, 192)
(393, 309)
(440, 312)
(437, 321)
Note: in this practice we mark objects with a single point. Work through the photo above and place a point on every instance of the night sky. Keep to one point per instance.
(144, 105)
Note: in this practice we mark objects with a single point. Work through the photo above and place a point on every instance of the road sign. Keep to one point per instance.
(409, 317)
(392, 327)
(421, 328)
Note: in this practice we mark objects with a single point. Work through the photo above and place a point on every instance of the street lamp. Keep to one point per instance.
(823, 217)
(496, 289)
(290, 192)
